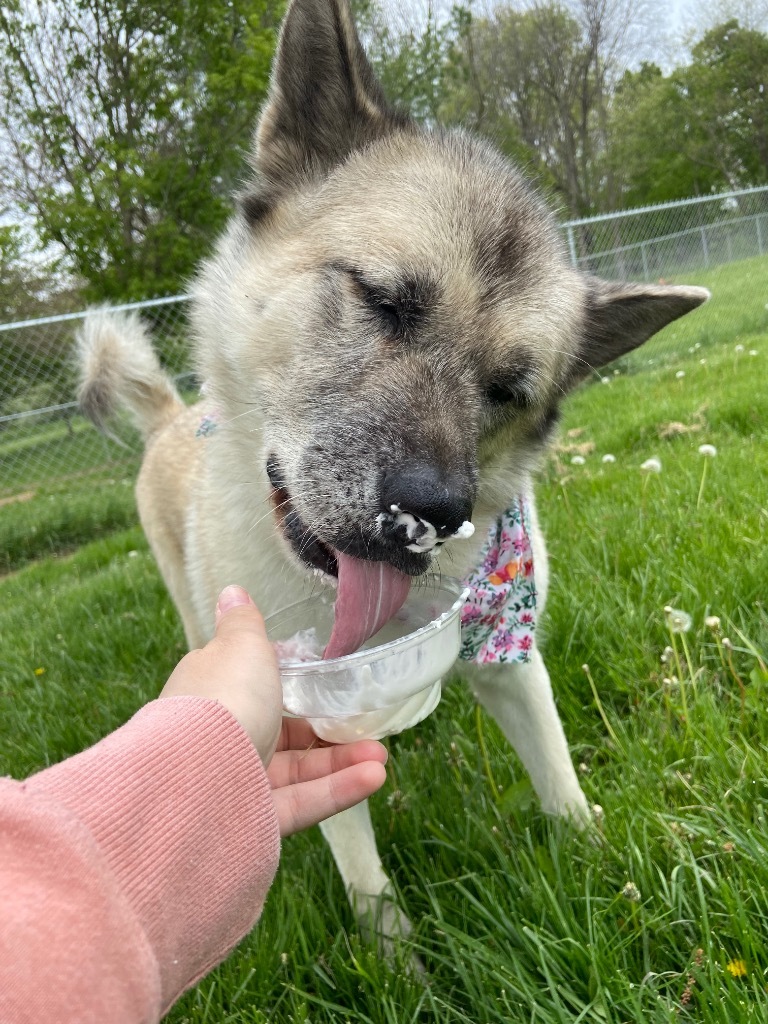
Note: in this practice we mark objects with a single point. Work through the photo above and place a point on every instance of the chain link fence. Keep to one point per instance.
(44, 439)
(656, 243)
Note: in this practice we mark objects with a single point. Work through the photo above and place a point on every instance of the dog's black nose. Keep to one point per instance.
(419, 488)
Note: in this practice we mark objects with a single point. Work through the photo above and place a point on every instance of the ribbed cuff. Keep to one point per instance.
(180, 805)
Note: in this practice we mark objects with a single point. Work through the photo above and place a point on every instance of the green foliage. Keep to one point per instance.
(547, 88)
(28, 279)
(534, 81)
(133, 119)
(708, 121)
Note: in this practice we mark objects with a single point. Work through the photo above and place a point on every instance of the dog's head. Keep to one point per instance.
(397, 303)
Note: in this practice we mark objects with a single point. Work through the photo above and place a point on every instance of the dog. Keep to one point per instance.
(386, 332)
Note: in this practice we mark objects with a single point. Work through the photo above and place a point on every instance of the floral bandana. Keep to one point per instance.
(499, 616)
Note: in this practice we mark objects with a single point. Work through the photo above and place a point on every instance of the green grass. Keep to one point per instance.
(517, 918)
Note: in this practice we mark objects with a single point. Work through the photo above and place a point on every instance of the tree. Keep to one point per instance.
(28, 279)
(409, 53)
(726, 92)
(650, 142)
(539, 80)
(701, 129)
(126, 122)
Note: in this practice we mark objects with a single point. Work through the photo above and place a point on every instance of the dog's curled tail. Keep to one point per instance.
(119, 367)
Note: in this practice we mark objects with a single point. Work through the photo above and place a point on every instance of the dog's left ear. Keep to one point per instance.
(324, 102)
(619, 317)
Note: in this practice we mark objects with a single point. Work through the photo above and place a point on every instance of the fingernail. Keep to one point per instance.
(232, 597)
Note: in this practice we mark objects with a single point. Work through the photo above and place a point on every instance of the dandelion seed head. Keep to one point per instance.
(597, 812)
(609, 458)
(712, 622)
(753, 352)
(578, 460)
(652, 465)
(631, 892)
(703, 362)
(708, 450)
(605, 380)
(397, 800)
(678, 621)
(738, 348)
(680, 374)
(727, 644)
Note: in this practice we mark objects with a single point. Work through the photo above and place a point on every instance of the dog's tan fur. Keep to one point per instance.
(384, 295)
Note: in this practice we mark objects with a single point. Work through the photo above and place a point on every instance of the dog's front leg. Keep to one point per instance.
(519, 696)
(353, 844)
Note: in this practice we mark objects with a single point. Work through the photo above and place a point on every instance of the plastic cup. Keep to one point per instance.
(391, 683)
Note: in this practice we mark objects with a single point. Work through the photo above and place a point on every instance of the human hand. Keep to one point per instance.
(310, 779)
(239, 669)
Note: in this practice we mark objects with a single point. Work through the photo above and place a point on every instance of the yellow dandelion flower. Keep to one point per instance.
(736, 968)
(39, 671)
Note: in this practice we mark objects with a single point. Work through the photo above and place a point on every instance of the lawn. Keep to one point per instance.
(660, 914)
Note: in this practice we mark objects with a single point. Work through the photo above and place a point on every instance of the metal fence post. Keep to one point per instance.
(704, 248)
(572, 246)
(645, 260)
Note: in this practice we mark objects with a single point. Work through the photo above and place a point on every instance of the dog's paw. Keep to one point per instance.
(383, 924)
(573, 808)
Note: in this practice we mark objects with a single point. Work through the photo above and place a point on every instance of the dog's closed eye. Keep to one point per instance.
(513, 388)
(389, 314)
(398, 310)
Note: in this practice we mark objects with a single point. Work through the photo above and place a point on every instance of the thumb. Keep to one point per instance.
(239, 623)
(236, 612)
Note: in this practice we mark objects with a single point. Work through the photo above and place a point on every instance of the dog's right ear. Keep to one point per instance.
(324, 102)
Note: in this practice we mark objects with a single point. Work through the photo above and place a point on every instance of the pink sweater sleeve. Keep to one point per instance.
(129, 871)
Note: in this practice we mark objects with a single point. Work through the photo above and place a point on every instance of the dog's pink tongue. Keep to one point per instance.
(369, 594)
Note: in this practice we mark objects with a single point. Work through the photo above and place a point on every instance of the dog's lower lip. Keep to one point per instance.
(311, 550)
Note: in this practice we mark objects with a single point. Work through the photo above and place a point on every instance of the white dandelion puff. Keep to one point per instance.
(709, 452)
(753, 352)
(712, 622)
(678, 621)
(631, 892)
(738, 348)
(578, 460)
(609, 458)
(680, 374)
(652, 465)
